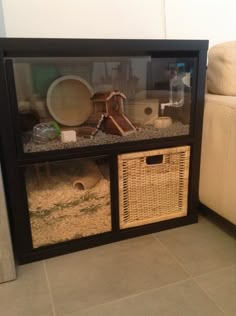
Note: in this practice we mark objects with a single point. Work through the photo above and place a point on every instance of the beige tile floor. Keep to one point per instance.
(188, 271)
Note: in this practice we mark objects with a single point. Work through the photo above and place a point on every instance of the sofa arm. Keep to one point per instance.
(218, 158)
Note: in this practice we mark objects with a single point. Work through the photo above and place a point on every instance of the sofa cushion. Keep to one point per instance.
(221, 72)
(218, 158)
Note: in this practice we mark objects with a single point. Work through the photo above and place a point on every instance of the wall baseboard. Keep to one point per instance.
(220, 221)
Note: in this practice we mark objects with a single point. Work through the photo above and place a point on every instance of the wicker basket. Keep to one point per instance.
(153, 185)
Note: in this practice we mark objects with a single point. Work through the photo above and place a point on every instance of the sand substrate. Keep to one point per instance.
(149, 132)
(59, 212)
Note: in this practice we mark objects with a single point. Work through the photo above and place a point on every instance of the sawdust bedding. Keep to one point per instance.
(59, 212)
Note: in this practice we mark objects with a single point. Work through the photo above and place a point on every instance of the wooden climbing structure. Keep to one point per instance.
(109, 112)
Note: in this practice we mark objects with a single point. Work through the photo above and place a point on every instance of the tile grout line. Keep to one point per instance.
(49, 289)
(214, 270)
(173, 256)
(150, 290)
(208, 295)
(135, 295)
(191, 276)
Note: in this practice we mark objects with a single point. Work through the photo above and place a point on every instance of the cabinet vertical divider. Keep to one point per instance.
(114, 194)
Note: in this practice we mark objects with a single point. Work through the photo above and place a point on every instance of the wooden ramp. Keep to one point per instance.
(92, 125)
(119, 125)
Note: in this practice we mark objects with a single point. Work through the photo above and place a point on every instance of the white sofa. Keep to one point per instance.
(218, 159)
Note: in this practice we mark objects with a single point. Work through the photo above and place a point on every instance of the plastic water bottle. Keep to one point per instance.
(176, 91)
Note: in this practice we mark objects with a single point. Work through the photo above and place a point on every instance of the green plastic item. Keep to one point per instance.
(56, 126)
(42, 77)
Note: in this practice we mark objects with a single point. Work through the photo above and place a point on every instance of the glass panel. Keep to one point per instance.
(68, 199)
(102, 100)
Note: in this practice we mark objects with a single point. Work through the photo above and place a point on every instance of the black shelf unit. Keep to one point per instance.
(14, 160)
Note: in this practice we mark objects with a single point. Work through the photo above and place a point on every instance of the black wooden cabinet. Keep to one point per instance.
(136, 107)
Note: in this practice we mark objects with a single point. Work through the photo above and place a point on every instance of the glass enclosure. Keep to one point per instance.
(68, 199)
(84, 101)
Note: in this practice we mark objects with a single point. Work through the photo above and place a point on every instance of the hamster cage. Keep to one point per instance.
(100, 139)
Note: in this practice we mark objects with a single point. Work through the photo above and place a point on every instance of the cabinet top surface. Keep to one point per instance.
(13, 47)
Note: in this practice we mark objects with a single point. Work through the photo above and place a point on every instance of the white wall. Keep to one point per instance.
(188, 19)
(201, 19)
(87, 18)
(2, 26)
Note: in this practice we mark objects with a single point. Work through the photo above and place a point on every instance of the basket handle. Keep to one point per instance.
(154, 160)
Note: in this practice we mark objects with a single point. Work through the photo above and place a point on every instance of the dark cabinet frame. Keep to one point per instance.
(14, 160)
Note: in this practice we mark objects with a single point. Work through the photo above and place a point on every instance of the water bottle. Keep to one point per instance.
(177, 91)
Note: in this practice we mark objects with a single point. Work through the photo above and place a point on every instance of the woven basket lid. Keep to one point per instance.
(68, 100)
